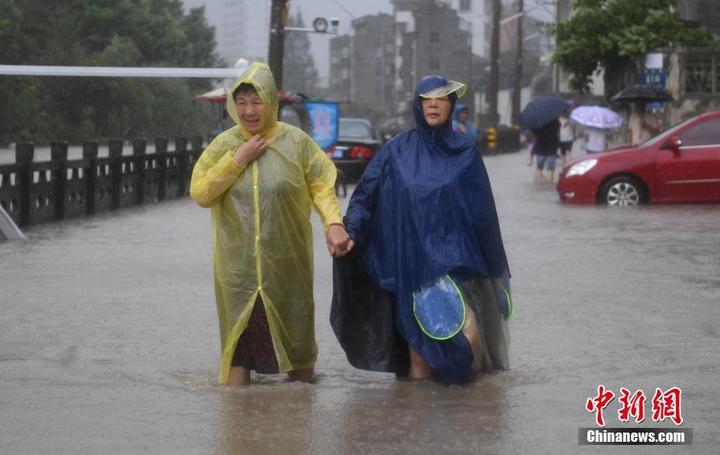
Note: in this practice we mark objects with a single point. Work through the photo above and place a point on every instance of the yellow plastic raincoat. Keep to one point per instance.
(262, 237)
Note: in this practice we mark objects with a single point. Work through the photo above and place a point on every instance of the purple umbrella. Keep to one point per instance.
(596, 117)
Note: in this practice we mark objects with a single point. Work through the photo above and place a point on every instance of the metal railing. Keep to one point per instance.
(34, 192)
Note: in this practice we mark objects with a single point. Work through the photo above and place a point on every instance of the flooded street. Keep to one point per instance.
(109, 340)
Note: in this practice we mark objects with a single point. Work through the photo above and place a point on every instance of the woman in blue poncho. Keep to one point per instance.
(423, 210)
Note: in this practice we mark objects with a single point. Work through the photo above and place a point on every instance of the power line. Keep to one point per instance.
(352, 16)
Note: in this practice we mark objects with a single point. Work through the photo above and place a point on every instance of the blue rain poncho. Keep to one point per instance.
(262, 237)
(423, 209)
(470, 131)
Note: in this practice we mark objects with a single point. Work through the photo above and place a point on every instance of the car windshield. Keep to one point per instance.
(355, 129)
(663, 134)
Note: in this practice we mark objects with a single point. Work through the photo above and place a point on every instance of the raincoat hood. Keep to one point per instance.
(259, 76)
(443, 137)
(456, 112)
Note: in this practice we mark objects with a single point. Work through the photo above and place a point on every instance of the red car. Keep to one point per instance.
(681, 164)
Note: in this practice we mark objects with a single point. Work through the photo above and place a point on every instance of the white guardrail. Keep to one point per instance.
(118, 71)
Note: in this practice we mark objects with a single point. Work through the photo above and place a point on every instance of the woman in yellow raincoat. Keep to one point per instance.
(261, 178)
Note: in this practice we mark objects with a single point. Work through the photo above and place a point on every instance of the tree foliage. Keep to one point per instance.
(102, 33)
(613, 34)
(299, 72)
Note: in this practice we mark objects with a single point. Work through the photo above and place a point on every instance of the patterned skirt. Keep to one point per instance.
(255, 349)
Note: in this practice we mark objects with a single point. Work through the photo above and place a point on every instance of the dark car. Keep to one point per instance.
(357, 143)
(681, 164)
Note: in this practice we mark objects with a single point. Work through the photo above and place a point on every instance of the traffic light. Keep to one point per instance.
(491, 135)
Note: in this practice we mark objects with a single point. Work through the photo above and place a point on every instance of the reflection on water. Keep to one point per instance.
(265, 418)
(386, 417)
(426, 416)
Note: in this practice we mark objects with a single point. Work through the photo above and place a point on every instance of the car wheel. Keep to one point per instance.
(622, 190)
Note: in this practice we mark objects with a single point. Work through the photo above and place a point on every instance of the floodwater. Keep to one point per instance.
(109, 340)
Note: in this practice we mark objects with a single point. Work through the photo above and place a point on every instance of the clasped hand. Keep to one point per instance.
(250, 150)
(338, 241)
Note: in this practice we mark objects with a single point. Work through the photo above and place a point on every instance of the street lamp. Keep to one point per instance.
(278, 18)
(319, 25)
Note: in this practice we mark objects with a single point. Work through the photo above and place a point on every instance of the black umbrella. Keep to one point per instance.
(643, 92)
(541, 111)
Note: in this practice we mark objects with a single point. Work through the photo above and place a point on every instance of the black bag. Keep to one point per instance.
(362, 318)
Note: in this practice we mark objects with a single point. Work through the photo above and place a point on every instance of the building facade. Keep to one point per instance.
(373, 66)
(478, 14)
(341, 64)
(374, 71)
(430, 38)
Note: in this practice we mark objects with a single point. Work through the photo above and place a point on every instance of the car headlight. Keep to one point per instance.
(581, 168)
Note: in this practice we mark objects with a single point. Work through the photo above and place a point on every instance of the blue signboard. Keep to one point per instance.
(654, 76)
(324, 119)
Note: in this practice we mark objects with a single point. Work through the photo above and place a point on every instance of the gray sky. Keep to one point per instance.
(345, 10)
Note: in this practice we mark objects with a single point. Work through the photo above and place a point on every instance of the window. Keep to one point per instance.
(706, 133)
(465, 5)
(288, 115)
(434, 37)
(702, 74)
(434, 64)
(698, 75)
(355, 129)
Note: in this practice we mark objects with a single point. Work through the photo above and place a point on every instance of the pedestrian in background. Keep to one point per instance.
(463, 125)
(532, 148)
(595, 140)
(547, 143)
(642, 124)
(261, 178)
(424, 210)
(567, 136)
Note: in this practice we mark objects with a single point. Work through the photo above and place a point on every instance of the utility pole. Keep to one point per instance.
(494, 62)
(517, 83)
(278, 17)
(561, 10)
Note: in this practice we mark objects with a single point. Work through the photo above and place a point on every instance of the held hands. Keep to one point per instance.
(338, 241)
(250, 150)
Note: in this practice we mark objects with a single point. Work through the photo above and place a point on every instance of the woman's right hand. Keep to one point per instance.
(250, 150)
(338, 241)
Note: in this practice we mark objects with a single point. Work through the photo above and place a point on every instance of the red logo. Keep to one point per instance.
(665, 405)
(632, 406)
(598, 403)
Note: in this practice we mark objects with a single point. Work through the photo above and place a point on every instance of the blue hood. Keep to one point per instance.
(442, 137)
(456, 111)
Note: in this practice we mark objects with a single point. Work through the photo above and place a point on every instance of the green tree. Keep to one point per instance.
(613, 35)
(103, 33)
(299, 72)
